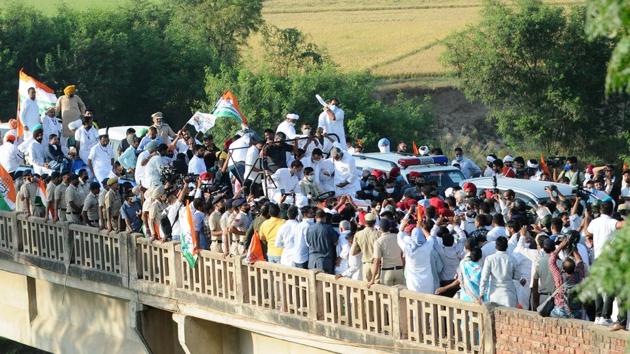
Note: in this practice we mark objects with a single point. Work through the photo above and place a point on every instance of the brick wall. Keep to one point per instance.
(518, 331)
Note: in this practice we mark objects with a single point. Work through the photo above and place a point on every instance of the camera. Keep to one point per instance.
(556, 161)
(574, 239)
(582, 193)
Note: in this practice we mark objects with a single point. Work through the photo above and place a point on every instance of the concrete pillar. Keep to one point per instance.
(197, 336)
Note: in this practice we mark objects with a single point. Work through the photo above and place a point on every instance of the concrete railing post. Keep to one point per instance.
(17, 232)
(399, 319)
(240, 279)
(123, 242)
(132, 255)
(173, 274)
(68, 245)
(316, 306)
(487, 326)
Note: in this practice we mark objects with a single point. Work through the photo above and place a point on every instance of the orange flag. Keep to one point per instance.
(543, 165)
(416, 152)
(625, 166)
(255, 252)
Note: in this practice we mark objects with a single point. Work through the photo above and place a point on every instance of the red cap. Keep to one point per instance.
(395, 172)
(469, 186)
(436, 202)
(206, 176)
(378, 174)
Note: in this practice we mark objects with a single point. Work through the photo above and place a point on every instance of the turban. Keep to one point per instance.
(37, 127)
(9, 137)
(293, 116)
(112, 181)
(153, 145)
(13, 123)
(157, 192)
(70, 89)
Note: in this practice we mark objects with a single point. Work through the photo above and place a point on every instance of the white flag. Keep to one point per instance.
(202, 121)
(321, 100)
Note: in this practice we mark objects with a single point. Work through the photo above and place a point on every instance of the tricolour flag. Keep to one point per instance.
(543, 165)
(7, 191)
(42, 197)
(255, 251)
(189, 239)
(202, 122)
(227, 107)
(45, 96)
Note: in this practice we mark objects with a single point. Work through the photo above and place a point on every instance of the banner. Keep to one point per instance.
(189, 237)
(227, 107)
(7, 191)
(44, 95)
(202, 122)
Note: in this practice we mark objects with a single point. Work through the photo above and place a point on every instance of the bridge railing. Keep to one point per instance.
(329, 306)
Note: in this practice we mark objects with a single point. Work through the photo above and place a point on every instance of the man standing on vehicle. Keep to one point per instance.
(331, 120)
(164, 131)
(467, 166)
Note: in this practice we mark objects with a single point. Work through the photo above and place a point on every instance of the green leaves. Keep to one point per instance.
(542, 79)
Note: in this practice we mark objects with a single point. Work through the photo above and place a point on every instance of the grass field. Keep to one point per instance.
(395, 39)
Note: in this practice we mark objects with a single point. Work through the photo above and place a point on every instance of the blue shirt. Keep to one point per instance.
(129, 212)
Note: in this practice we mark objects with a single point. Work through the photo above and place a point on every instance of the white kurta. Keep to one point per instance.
(497, 279)
(37, 157)
(346, 171)
(101, 157)
(285, 183)
(51, 125)
(29, 115)
(10, 157)
(287, 129)
(334, 126)
(196, 165)
(286, 239)
(139, 172)
(418, 271)
(87, 139)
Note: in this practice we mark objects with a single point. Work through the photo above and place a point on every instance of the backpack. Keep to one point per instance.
(570, 297)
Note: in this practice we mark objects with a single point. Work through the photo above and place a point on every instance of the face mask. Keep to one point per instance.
(459, 158)
(306, 131)
(375, 193)
(389, 190)
(292, 124)
(309, 178)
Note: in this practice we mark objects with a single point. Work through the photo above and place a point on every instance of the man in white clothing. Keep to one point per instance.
(343, 247)
(10, 156)
(287, 181)
(36, 152)
(497, 276)
(331, 120)
(466, 165)
(29, 113)
(101, 159)
(85, 138)
(141, 163)
(197, 164)
(153, 172)
(52, 125)
(286, 237)
(288, 126)
(346, 179)
(300, 253)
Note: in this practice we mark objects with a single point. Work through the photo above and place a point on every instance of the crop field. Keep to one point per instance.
(394, 39)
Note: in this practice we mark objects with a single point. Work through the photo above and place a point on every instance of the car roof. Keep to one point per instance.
(392, 158)
(524, 186)
(120, 133)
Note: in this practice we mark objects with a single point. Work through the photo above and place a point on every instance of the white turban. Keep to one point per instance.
(293, 116)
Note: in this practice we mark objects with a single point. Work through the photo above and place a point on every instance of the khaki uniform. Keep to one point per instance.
(73, 194)
(112, 205)
(60, 201)
(386, 248)
(214, 221)
(241, 222)
(364, 242)
(29, 193)
(155, 212)
(165, 132)
(90, 207)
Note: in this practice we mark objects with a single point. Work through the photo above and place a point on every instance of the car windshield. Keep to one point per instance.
(443, 179)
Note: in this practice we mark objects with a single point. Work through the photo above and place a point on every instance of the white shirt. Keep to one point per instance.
(287, 128)
(252, 155)
(29, 114)
(300, 254)
(153, 168)
(334, 126)
(139, 172)
(343, 252)
(101, 157)
(346, 171)
(36, 154)
(468, 167)
(285, 181)
(196, 165)
(601, 228)
(87, 139)
(51, 125)
(10, 157)
(625, 190)
(496, 231)
(285, 239)
(238, 148)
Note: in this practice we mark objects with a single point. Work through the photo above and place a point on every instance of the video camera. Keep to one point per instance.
(556, 161)
(574, 239)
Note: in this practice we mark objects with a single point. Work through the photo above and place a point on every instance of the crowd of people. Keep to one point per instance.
(302, 196)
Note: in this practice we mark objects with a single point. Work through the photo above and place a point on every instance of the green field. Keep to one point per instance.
(394, 39)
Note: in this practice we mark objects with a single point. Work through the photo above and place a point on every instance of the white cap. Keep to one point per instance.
(424, 150)
(293, 116)
(508, 158)
(490, 158)
(532, 163)
(448, 192)
(454, 163)
(383, 145)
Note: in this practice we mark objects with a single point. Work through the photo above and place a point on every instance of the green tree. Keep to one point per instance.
(265, 98)
(541, 77)
(611, 18)
(287, 48)
(222, 24)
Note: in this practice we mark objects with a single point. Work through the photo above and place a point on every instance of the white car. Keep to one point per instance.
(432, 168)
(529, 191)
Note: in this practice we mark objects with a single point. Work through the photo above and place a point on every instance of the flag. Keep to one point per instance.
(45, 96)
(202, 122)
(416, 152)
(625, 167)
(543, 165)
(255, 252)
(189, 239)
(321, 100)
(7, 191)
(227, 107)
(42, 197)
